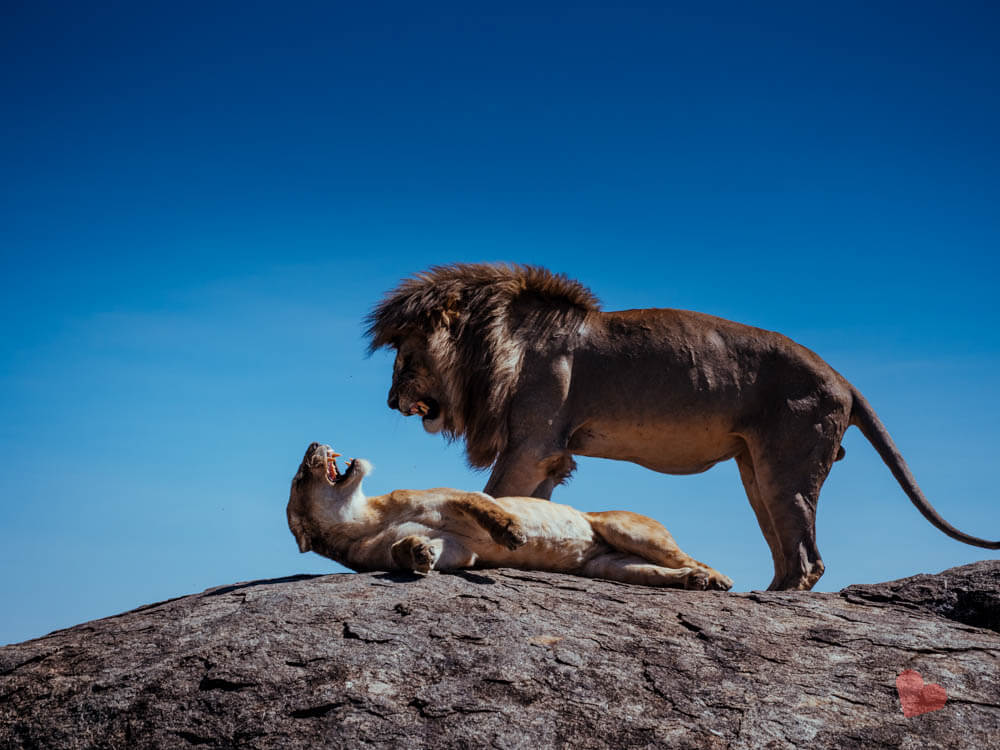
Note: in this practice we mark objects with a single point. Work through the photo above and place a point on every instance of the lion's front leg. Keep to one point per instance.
(529, 471)
(416, 553)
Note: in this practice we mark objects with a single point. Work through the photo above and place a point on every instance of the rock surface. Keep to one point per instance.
(509, 659)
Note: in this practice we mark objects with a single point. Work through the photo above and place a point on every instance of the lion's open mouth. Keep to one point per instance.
(332, 472)
(427, 408)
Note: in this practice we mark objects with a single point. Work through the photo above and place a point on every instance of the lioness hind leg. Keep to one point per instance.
(626, 568)
(416, 553)
(649, 539)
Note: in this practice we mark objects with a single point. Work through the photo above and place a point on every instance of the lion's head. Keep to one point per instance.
(417, 387)
(459, 333)
(318, 489)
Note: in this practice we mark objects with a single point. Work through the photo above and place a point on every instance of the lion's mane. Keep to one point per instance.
(478, 319)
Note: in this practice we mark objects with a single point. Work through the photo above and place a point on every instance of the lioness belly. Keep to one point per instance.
(559, 537)
(669, 446)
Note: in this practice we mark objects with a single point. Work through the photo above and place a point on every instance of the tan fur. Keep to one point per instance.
(525, 366)
(446, 529)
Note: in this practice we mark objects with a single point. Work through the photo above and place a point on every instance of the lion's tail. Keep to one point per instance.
(863, 417)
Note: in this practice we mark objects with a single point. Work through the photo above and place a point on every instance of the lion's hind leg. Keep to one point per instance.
(648, 539)
(783, 474)
(416, 553)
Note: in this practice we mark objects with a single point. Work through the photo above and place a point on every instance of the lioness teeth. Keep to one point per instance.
(331, 465)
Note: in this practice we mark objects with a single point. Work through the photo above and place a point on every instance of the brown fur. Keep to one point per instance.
(480, 355)
(524, 365)
(446, 529)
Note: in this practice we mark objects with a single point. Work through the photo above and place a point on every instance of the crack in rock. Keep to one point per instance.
(315, 711)
(228, 686)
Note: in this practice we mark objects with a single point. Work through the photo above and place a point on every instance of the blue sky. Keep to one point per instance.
(200, 202)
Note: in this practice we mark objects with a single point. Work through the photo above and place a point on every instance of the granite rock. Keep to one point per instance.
(515, 659)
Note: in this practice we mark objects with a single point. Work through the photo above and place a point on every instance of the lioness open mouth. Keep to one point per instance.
(332, 472)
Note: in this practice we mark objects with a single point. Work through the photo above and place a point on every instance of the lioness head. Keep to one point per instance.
(319, 489)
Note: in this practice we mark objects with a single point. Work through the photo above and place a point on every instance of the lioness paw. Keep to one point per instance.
(414, 554)
(720, 582)
(510, 534)
(697, 580)
(717, 581)
(423, 558)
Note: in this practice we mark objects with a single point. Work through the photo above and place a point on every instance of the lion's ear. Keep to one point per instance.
(450, 310)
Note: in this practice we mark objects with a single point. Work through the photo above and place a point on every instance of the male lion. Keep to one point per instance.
(446, 529)
(526, 367)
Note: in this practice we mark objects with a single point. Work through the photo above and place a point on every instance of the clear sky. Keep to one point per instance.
(200, 201)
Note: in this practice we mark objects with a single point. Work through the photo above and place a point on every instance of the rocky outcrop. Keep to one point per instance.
(509, 659)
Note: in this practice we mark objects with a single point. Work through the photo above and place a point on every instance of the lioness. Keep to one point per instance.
(525, 366)
(445, 529)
